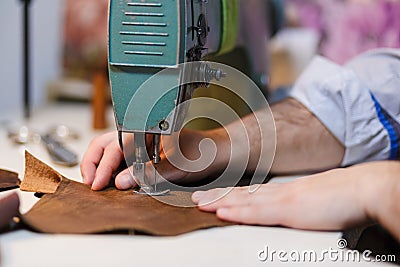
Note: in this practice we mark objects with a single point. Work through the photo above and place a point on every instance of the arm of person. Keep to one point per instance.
(300, 136)
(332, 200)
(384, 207)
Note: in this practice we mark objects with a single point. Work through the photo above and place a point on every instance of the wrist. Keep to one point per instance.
(221, 140)
(382, 191)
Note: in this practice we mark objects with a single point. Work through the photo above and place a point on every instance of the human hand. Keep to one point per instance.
(101, 160)
(104, 156)
(332, 200)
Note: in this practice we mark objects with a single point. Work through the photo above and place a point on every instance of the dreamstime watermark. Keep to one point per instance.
(140, 117)
(338, 254)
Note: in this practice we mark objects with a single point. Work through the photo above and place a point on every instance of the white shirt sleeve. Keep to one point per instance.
(358, 103)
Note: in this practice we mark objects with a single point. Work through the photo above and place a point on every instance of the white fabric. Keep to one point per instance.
(340, 97)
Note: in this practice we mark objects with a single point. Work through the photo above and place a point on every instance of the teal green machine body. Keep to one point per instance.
(147, 36)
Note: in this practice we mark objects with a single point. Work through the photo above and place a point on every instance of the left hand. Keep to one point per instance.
(332, 200)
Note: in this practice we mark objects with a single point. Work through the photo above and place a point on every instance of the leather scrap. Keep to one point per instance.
(9, 208)
(74, 208)
(39, 177)
(9, 205)
(8, 180)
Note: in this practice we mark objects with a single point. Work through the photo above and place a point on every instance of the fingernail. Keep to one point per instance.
(94, 184)
(196, 196)
(125, 181)
(223, 212)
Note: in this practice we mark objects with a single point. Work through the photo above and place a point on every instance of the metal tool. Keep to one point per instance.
(147, 36)
(59, 154)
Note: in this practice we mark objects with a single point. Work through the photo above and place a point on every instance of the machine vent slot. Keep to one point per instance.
(145, 4)
(144, 53)
(144, 24)
(141, 26)
(143, 43)
(144, 14)
(146, 33)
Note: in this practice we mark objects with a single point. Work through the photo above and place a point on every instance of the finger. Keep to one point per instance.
(217, 193)
(109, 163)
(285, 205)
(214, 199)
(89, 163)
(125, 180)
(202, 198)
(241, 214)
(196, 196)
(93, 156)
(254, 215)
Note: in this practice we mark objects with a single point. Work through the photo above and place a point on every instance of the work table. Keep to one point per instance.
(232, 246)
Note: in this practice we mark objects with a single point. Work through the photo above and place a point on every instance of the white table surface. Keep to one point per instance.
(227, 246)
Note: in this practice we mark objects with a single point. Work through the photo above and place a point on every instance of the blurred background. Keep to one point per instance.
(69, 44)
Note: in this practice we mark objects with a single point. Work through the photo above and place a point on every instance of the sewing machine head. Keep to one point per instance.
(148, 36)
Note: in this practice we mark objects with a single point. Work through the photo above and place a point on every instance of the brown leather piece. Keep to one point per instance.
(8, 180)
(75, 209)
(39, 177)
(9, 205)
(9, 208)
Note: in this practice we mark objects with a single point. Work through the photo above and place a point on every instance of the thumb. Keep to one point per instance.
(124, 180)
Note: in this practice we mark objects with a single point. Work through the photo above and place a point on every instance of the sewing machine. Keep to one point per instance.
(148, 36)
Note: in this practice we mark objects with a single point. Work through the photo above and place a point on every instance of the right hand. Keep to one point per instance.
(334, 200)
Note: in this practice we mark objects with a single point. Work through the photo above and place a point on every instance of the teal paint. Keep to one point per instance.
(144, 39)
(135, 41)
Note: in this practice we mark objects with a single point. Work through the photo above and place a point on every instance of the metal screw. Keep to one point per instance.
(217, 74)
(163, 125)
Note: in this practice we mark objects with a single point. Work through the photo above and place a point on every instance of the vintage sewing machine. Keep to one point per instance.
(148, 36)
